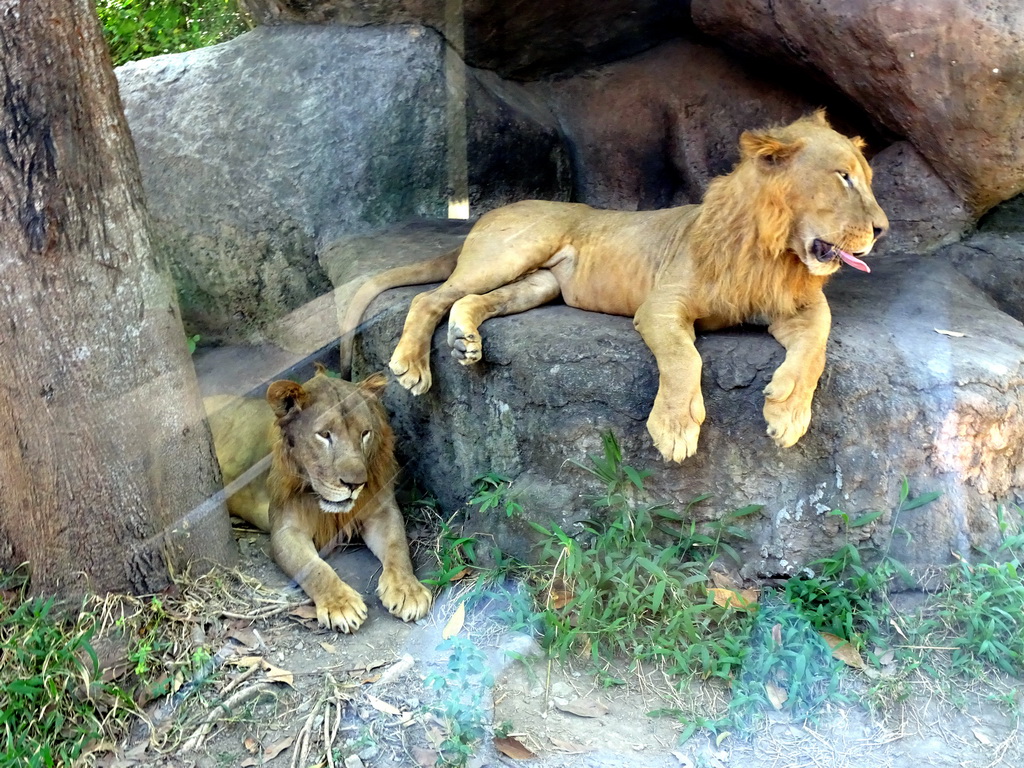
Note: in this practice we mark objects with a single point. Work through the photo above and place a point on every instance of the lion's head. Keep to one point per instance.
(817, 193)
(335, 439)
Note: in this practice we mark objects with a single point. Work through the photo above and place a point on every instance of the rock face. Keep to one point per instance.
(945, 74)
(924, 213)
(256, 151)
(652, 131)
(897, 399)
(524, 39)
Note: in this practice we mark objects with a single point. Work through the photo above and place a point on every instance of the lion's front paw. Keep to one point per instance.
(341, 608)
(403, 595)
(675, 429)
(787, 409)
(412, 373)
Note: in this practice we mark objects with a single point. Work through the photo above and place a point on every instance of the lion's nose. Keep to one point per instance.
(879, 231)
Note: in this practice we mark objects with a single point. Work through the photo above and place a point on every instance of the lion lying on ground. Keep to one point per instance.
(759, 248)
(331, 478)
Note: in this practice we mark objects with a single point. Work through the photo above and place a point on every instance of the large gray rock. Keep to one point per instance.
(256, 152)
(524, 39)
(653, 130)
(898, 399)
(924, 213)
(945, 74)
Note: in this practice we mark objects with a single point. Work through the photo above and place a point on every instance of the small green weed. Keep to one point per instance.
(980, 615)
(51, 702)
(462, 690)
(494, 491)
(635, 587)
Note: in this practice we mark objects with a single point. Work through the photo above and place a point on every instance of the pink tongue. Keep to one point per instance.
(853, 261)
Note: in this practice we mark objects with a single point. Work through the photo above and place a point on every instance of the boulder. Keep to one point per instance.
(522, 40)
(993, 258)
(256, 152)
(900, 398)
(945, 74)
(924, 213)
(653, 130)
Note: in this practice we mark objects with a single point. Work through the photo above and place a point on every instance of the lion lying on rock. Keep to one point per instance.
(759, 248)
(331, 478)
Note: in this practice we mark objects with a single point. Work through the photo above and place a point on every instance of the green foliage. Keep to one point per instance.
(494, 491)
(980, 615)
(193, 343)
(636, 586)
(50, 698)
(786, 655)
(145, 638)
(137, 29)
(463, 689)
(455, 555)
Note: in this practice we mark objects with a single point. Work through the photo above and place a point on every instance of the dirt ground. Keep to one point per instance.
(286, 689)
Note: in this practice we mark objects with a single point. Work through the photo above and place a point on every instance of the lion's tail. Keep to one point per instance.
(428, 271)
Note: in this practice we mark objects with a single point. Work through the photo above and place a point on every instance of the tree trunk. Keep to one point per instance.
(106, 462)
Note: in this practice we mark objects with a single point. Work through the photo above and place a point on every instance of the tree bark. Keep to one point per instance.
(106, 462)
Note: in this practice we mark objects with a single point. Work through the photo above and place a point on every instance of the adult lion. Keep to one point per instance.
(331, 478)
(759, 248)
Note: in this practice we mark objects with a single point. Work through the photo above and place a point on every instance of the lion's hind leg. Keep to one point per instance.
(469, 312)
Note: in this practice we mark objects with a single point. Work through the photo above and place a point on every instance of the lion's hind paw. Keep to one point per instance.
(467, 346)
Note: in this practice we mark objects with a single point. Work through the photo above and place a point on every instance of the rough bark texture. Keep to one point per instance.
(105, 448)
(945, 74)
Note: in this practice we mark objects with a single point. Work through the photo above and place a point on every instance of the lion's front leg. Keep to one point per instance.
(788, 396)
(678, 412)
(399, 589)
(338, 606)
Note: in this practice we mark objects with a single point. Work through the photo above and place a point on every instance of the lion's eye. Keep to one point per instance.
(324, 435)
(846, 178)
(366, 436)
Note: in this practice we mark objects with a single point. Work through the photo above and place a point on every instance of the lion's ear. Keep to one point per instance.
(859, 143)
(374, 384)
(286, 397)
(764, 146)
(819, 117)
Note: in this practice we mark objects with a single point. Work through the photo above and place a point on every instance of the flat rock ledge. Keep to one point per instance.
(901, 397)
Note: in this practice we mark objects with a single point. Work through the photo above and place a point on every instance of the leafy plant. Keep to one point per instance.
(980, 615)
(462, 688)
(494, 491)
(51, 702)
(136, 29)
(456, 554)
(636, 586)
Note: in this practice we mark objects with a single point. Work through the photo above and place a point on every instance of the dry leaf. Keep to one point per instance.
(843, 650)
(249, 762)
(277, 748)
(724, 580)
(887, 658)
(776, 695)
(246, 637)
(512, 747)
(744, 600)
(425, 758)
(585, 708)
(954, 334)
(307, 611)
(247, 661)
(559, 594)
(382, 706)
(567, 746)
(251, 745)
(328, 647)
(278, 675)
(983, 737)
(454, 625)
(777, 634)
